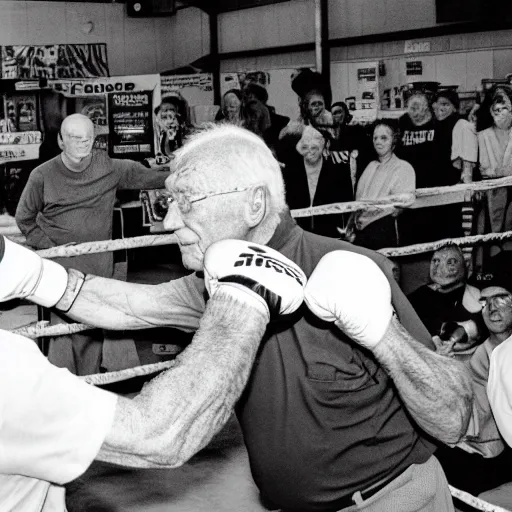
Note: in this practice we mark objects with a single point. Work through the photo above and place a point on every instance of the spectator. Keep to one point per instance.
(386, 176)
(231, 106)
(456, 139)
(495, 158)
(253, 91)
(314, 111)
(312, 179)
(449, 301)
(255, 117)
(418, 146)
(481, 464)
(497, 311)
(70, 199)
(171, 126)
(350, 137)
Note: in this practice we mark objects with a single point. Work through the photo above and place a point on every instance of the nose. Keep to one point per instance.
(173, 220)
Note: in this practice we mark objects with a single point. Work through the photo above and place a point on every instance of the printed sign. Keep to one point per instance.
(414, 67)
(18, 146)
(131, 124)
(417, 46)
(103, 86)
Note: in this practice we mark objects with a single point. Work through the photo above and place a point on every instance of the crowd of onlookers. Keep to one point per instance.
(326, 158)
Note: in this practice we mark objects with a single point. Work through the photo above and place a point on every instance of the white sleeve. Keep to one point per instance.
(499, 389)
(464, 141)
(52, 424)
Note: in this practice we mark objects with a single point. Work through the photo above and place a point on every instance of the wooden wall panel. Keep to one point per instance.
(134, 45)
(140, 51)
(478, 65)
(451, 69)
(13, 23)
(502, 62)
(76, 14)
(114, 37)
(46, 23)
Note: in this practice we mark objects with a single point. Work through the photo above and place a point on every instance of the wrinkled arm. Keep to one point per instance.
(179, 412)
(435, 389)
(117, 305)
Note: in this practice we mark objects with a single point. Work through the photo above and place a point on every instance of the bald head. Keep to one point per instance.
(76, 122)
(76, 140)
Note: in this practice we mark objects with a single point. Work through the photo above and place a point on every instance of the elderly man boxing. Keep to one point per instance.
(53, 425)
(331, 411)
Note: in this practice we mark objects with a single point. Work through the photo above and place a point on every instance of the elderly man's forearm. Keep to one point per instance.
(108, 303)
(179, 412)
(436, 389)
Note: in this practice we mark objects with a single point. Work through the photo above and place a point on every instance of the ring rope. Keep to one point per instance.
(43, 328)
(64, 251)
(464, 241)
(475, 502)
(152, 240)
(101, 379)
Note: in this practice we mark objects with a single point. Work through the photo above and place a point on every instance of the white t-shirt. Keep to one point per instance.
(52, 426)
(499, 388)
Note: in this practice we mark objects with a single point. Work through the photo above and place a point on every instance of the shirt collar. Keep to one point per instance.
(286, 229)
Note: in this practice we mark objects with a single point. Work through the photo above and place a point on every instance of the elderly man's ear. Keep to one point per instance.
(60, 141)
(256, 205)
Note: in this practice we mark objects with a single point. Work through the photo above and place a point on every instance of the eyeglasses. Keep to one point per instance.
(79, 140)
(185, 201)
(497, 301)
(499, 110)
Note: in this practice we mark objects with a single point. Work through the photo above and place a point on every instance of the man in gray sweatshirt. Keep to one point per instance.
(70, 199)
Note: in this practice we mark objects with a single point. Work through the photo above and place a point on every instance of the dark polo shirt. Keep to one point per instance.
(320, 417)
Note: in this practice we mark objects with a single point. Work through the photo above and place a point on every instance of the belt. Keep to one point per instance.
(358, 496)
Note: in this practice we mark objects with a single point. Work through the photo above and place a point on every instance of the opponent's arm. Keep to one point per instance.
(93, 300)
(178, 412)
(350, 290)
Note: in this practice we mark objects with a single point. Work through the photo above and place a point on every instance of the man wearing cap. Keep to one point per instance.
(494, 358)
(498, 318)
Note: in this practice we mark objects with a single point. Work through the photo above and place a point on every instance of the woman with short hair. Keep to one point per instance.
(388, 175)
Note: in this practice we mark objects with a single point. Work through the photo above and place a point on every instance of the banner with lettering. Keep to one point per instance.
(99, 86)
(197, 89)
(17, 146)
(131, 124)
(54, 61)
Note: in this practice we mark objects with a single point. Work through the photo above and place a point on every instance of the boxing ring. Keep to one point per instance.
(424, 198)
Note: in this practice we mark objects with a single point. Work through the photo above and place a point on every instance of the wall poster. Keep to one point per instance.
(131, 124)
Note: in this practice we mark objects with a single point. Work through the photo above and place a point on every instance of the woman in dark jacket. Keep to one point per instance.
(313, 178)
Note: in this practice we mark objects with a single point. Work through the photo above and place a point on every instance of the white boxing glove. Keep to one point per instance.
(350, 290)
(25, 275)
(268, 279)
